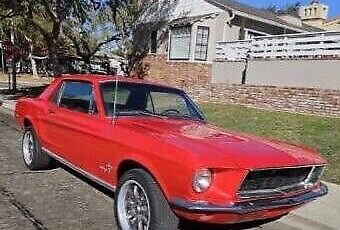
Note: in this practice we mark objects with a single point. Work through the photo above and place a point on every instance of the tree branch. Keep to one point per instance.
(48, 10)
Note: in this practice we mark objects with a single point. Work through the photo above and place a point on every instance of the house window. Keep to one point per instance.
(202, 40)
(180, 38)
(153, 45)
(253, 34)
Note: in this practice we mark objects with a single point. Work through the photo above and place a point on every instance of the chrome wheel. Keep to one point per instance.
(28, 147)
(133, 207)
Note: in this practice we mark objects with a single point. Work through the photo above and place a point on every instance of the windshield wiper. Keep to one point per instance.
(138, 113)
(186, 117)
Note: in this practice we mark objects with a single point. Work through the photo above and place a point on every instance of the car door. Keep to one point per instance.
(68, 126)
(101, 159)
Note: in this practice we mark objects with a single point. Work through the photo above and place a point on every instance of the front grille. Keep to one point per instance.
(278, 181)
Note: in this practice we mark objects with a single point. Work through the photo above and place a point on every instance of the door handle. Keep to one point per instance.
(51, 111)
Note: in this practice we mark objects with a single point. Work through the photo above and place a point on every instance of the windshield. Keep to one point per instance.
(139, 99)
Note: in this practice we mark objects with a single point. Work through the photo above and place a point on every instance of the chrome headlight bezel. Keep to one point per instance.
(316, 174)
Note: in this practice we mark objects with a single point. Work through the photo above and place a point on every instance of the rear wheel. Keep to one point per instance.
(141, 205)
(33, 156)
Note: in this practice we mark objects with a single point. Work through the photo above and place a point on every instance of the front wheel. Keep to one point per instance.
(141, 205)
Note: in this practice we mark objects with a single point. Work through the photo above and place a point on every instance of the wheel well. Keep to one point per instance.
(128, 165)
(27, 123)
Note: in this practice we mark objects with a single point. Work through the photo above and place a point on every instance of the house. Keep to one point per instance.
(332, 24)
(316, 14)
(195, 26)
(185, 45)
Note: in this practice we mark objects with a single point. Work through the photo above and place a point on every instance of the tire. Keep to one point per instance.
(33, 156)
(153, 208)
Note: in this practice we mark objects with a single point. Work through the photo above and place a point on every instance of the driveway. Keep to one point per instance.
(3, 85)
(57, 199)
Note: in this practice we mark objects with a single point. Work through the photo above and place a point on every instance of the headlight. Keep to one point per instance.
(202, 180)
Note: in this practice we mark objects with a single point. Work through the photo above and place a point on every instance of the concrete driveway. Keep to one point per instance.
(57, 199)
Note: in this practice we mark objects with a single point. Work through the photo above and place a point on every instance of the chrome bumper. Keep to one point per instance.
(249, 206)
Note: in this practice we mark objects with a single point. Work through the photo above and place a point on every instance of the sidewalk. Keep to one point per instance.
(322, 214)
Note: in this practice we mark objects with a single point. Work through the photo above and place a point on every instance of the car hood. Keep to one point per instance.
(220, 148)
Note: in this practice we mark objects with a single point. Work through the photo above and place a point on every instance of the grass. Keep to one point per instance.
(321, 133)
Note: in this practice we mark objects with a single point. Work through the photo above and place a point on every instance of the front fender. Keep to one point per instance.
(150, 167)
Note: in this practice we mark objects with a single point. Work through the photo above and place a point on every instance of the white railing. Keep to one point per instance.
(292, 46)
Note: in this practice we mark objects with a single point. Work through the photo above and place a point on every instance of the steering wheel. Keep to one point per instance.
(170, 112)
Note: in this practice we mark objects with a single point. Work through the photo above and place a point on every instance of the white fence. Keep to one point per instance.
(292, 46)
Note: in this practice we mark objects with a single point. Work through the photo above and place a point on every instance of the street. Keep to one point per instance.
(57, 199)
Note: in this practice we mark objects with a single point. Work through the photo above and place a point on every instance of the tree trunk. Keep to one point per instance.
(14, 77)
(33, 63)
(34, 67)
(54, 63)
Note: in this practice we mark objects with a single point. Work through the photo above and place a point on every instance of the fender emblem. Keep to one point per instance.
(106, 168)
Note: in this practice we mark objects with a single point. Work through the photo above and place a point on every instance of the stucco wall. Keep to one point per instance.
(283, 73)
(227, 72)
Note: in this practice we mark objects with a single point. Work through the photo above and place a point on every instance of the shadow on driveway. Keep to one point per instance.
(33, 91)
(184, 225)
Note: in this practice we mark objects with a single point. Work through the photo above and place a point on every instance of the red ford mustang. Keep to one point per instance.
(153, 147)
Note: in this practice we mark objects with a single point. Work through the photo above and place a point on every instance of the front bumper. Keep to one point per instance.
(249, 206)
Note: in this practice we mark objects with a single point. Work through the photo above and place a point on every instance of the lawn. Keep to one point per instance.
(321, 133)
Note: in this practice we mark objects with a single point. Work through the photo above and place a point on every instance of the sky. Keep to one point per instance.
(333, 4)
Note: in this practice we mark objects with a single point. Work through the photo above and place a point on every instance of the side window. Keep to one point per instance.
(78, 96)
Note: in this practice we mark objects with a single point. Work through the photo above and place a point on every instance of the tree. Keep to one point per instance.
(135, 20)
(48, 17)
(10, 9)
(88, 35)
(292, 9)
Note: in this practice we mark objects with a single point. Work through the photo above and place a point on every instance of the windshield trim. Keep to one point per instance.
(195, 112)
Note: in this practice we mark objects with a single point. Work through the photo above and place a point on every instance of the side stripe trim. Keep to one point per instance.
(79, 170)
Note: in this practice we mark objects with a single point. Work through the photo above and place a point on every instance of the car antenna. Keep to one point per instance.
(115, 115)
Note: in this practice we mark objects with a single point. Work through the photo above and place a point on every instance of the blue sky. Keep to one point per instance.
(334, 4)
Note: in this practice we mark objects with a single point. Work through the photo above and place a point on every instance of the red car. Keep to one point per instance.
(152, 146)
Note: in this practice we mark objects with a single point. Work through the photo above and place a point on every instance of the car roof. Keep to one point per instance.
(96, 78)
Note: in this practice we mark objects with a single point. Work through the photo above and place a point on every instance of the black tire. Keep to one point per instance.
(38, 160)
(161, 215)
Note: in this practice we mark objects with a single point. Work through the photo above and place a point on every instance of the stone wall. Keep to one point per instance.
(322, 102)
(195, 79)
(180, 73)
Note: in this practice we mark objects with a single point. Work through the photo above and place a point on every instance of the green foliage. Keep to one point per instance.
(89, 34)
(135, 20)
(83, 27)
(126, 15)
(292, 8)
